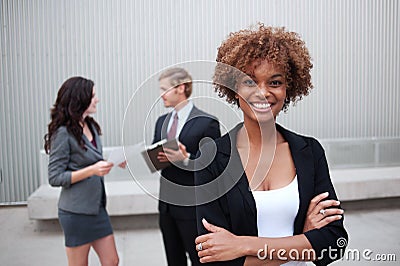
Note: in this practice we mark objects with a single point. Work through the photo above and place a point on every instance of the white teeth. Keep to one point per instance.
(261, 105)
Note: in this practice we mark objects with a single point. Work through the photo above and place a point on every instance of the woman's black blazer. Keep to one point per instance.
(224, 197)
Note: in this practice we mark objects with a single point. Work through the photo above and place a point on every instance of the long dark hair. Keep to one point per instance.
(73, 98)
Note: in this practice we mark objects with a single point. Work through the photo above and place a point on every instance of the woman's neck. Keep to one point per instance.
(256, 134)
(82, 123)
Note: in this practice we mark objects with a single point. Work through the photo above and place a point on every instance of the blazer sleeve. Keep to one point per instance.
(59, 157)
(329, 242)
(212, 131)
(207, 206)
(213, 210)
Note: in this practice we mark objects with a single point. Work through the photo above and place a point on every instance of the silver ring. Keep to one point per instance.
(200, 247)
(322, 211)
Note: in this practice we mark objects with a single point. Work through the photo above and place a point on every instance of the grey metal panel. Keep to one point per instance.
(356, 84)
(119, 44)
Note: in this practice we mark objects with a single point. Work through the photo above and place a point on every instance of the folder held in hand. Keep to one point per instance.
(150, 154)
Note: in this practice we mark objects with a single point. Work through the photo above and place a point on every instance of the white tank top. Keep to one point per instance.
(276, 211)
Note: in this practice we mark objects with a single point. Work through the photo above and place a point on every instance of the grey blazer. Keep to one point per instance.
(66, 155)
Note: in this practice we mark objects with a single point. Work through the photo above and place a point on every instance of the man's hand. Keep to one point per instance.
(173, 155)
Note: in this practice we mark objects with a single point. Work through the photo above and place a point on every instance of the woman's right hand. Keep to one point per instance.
(321, 212)
(101, 168)
(218, 245)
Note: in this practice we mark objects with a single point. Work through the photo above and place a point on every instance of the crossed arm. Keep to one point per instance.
(221, 245)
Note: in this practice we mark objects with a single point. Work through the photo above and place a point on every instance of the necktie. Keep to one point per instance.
(172, 131)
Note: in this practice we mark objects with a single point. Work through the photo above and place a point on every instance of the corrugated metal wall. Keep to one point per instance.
(119, 44)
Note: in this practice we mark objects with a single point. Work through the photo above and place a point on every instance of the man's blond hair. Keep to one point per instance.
(178, 76)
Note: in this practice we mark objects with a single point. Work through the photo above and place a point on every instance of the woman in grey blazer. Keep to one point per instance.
(76, 164)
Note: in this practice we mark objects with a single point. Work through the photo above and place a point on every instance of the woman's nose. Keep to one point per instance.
(263, 90)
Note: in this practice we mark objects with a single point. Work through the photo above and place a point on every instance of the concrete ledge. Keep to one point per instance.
(126, 198)
(126, 222)
(371, 204)
(123, 198)
(366, 183)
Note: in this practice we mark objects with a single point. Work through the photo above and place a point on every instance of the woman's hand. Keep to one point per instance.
(218, 245)
(122, 165)
(101, 168)
(321, 212)
(170, 155)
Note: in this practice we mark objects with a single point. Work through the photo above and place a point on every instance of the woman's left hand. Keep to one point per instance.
(218, 245)
(321, 212)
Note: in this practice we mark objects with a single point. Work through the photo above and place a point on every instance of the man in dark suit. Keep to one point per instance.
(189, 125)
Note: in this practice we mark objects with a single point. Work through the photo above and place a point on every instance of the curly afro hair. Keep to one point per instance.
(282, 48)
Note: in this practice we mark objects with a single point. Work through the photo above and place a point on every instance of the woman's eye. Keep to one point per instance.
(249, 82)
(276, 83)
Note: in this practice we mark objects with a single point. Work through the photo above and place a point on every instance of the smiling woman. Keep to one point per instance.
(263, 91)
(292, 205)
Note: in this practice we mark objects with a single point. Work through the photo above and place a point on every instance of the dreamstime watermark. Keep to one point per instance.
(332, 253)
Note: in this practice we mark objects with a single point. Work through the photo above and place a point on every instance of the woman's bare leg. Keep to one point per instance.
(78, 256)
(106, 250)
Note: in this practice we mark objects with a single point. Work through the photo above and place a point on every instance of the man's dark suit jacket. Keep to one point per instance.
(198, 125)
(236, 210)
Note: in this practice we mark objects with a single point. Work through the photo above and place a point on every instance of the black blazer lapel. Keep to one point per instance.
(304, 163)
(191, 120)
(305, 176)
(235, 170)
